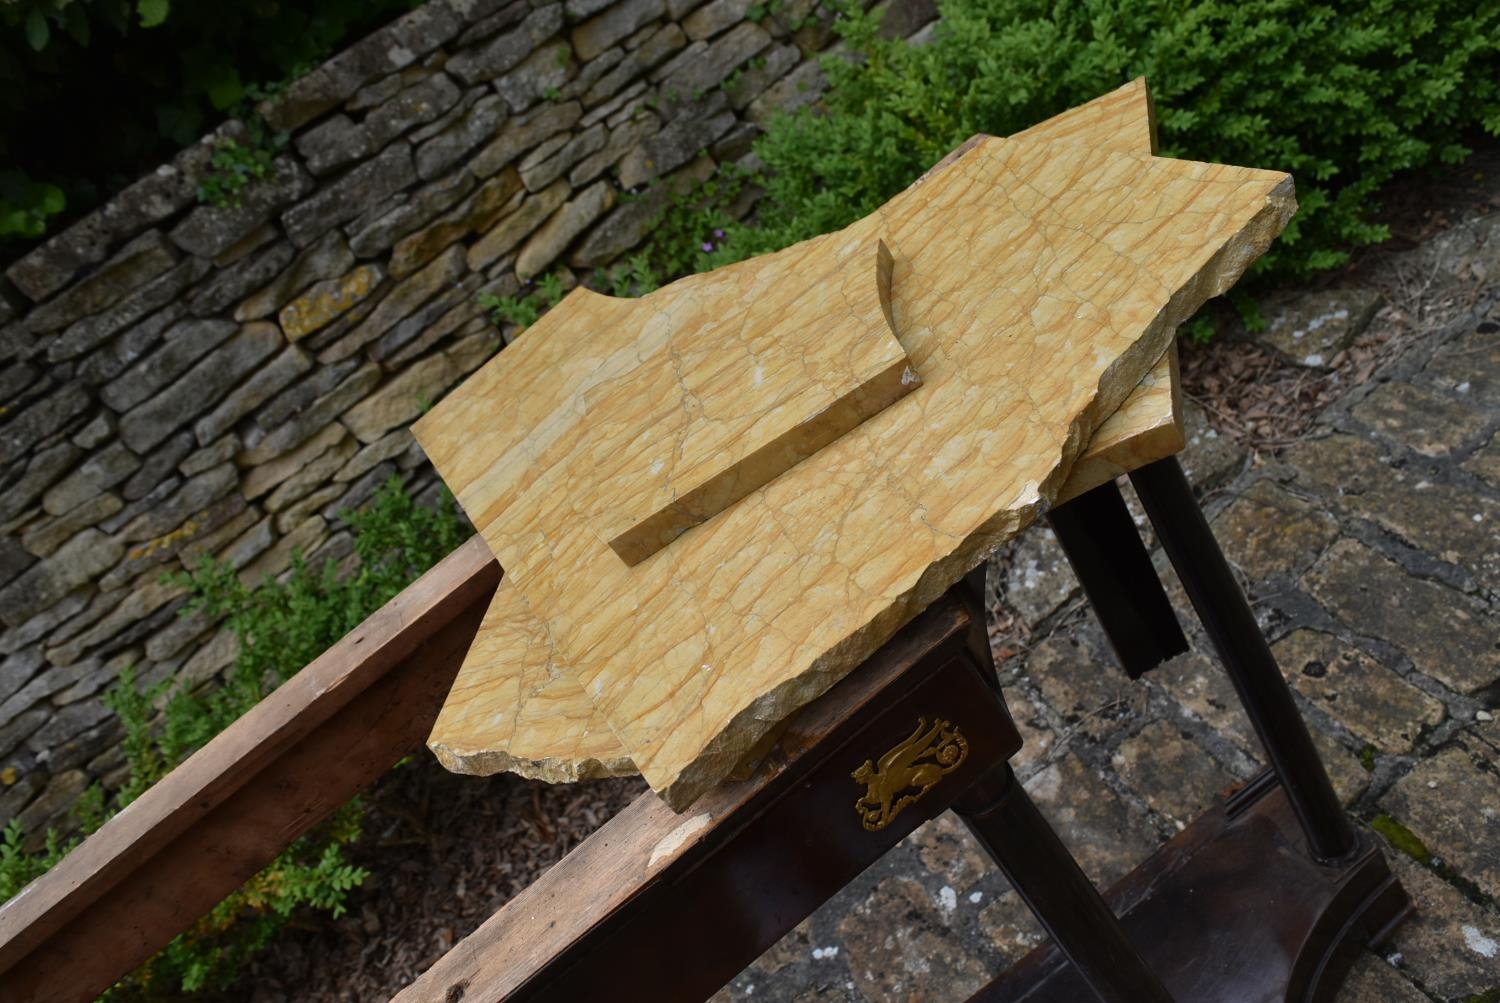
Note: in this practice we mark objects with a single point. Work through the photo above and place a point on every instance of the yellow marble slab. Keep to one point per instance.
(1034, 286)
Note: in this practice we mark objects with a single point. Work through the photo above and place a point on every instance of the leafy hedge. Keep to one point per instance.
(1342, 95)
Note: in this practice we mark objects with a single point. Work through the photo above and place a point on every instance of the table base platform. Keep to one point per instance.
(1234, 910)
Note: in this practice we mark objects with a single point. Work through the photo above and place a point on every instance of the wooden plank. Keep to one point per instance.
(1088, 259)
(692, 396)
(169, 857)
(611, 868)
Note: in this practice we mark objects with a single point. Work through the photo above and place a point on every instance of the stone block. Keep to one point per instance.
(274, 471)
(549, 242)
(43, 624)
(678, 142)
(613, 24)
(350, 195)
(1209, 458)
(387, 447)
(86, 334)
(220, 450)
(400, 302)
(183, 509)
(307, 508)
(333, 143)
(313, 418)
(662, 43)
(1451, 802)
(413, 106)
(1176, 776)
(392, 48)
(617, 143)
(401, 399)
(326, 301)
(245, 398)
(303, 539)
(1449, 944)
(185, 343)
(209, 230)
(376, 235)
(196, 390)
(1469, 365)
(496, 16)
(1106, 835)
(478, 212)
(1432, 424)
(476, 125)
(135, 264)
(60, 794)
(522, 133)
(100, 472)
(1446, 634)
(230, 284)
(416, 326)
(514, 227)
(544, 71)
(327, 258)
(161, 464)
(40, 473)
(552, 159)
(315, 474)
(1310, 328)
(81, 559)
(44, 539)
(696, 73)
(628, 224)
(1485, 463)
(714, 17)
(41, 419)
(506, 51)
(798, 89)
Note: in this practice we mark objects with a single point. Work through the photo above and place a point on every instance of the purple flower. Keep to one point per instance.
(718, 234)
(707, 247)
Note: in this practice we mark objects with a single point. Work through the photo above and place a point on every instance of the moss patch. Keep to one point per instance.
(1402, 838)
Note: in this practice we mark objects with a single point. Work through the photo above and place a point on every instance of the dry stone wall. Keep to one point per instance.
(178, 379)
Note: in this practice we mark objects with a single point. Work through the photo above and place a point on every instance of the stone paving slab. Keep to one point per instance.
(1371, 553)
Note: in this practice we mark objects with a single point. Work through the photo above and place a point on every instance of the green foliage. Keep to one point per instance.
(26, 204)
(1343, 96)
(522, 311)
(280, 627)
(632, 277)
(234, 167)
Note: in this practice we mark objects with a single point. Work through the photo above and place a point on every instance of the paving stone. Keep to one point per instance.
(1089, 693)
(506, 51)
(695, 75)
(1106, 837)
(327, 258)
(1038, 742)
(1446, 634)
(1040, 580)
(1373, 702)
(678, 142)
(951, 852)
(185, 343)
(161, 463)
(1485, 463)
(375, 236)
(326, 301)
(1176, 776)
(1268, 531)
(1200, 686)
(403, 299)
(1425, 422)
(86, 555)
(1308, 328)
(1446, 521)
(245, 398)
(524, 132)
(350, 195)
(1446, 945)
(40, 420)
(478, 212)
(411, 107)
(133, 265)
(1469, 366)
(480, 122)
(514, 227)
(1452, 803)
(153, 420)
(394, 47)
(549, 242)
(315, 417)
(1011, 927)
(901, 947)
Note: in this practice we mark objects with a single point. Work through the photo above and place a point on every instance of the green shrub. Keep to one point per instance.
(280, 627)
(1342, 95)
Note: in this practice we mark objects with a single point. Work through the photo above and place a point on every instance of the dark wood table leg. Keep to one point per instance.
(1007, 823)
(1226, 615)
